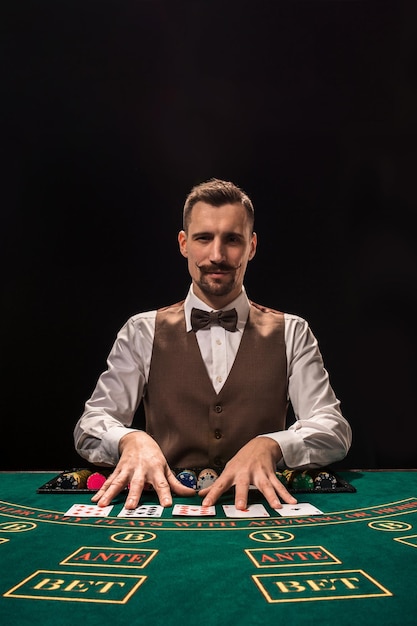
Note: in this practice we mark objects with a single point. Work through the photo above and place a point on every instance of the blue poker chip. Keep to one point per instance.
(187, 478)
(206, 478)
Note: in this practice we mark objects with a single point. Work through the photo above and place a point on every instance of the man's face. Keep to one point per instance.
(218, 245)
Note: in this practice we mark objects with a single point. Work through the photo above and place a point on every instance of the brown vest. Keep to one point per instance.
(195, 426)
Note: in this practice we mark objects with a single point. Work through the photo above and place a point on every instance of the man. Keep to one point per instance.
(214, 396)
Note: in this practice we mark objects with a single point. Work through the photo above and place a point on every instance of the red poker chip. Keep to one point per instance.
(96, 481)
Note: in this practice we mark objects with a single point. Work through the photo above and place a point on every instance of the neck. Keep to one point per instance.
(216, 302)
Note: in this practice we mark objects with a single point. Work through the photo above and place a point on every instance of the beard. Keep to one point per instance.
(212, 287)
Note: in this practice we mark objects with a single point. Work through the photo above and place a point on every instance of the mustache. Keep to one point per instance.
(223, 267)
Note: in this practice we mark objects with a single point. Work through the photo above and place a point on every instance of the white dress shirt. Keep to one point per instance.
(320, 435)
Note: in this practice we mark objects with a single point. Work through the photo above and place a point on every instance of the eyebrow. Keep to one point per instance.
(209, 233)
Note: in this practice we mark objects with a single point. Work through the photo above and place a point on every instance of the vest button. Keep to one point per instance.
(218, 433)
(218, 408)
(218, 461)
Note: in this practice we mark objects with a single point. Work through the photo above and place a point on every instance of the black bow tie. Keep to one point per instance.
(204, 319)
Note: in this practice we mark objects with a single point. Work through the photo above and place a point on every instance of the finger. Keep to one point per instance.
(136, 488)
(271, 490)
(282, 491)
(163, 491)
(271, 496)
(288, 498)
(109, 490)
(215, 491)
(178, 488)
(100, 492)
(104, 497)
(241, 495)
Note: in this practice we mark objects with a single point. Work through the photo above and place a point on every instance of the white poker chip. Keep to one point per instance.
(206, 478)
(325, 480)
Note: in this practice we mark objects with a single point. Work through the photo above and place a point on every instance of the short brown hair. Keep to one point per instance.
(217, 192)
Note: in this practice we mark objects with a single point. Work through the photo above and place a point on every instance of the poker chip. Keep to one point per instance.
(76, 479)
(308, 480)
(96, 480)
(188, 478)
(324, 480)
(206, 478)
(288, 476)
(303, 481)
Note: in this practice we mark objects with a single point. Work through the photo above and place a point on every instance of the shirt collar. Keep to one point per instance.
(241, 304)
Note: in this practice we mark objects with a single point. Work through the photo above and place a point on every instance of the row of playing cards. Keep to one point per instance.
(155, 510)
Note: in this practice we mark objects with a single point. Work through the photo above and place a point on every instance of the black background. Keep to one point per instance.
(111, 111)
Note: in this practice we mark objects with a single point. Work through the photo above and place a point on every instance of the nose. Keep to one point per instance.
(217, 251)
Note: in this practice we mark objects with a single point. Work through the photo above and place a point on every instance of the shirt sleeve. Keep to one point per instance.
(320, 435)
(109, 413)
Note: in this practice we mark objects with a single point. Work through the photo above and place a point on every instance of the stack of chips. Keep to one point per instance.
(324, 479)
(187, 478)
(287, 476)
(196, 478)
(77, 479)
(302, 481)
(308, 480)
(206, 478)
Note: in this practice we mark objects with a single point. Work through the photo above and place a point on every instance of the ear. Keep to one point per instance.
(253, 244)
(182, 241)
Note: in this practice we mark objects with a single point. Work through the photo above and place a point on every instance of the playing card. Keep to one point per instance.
(191, 509)
(253, 510)
(88, 510)
(144, 510)
(296, 510)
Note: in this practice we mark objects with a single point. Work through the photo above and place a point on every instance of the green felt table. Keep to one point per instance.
(354, 564)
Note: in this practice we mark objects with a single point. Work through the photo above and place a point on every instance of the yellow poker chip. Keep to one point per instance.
(288, 475)
(76, 479)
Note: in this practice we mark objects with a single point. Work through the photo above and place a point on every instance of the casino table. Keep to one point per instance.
(356, 562)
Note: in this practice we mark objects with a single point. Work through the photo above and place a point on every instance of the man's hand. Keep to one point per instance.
(141, 464)
(254, 464)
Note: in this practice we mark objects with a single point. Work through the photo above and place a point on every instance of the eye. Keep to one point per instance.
(234, 239)
(202, 237)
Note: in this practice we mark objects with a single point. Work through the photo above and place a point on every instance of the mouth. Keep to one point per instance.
(216, 274)
(216, 270)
